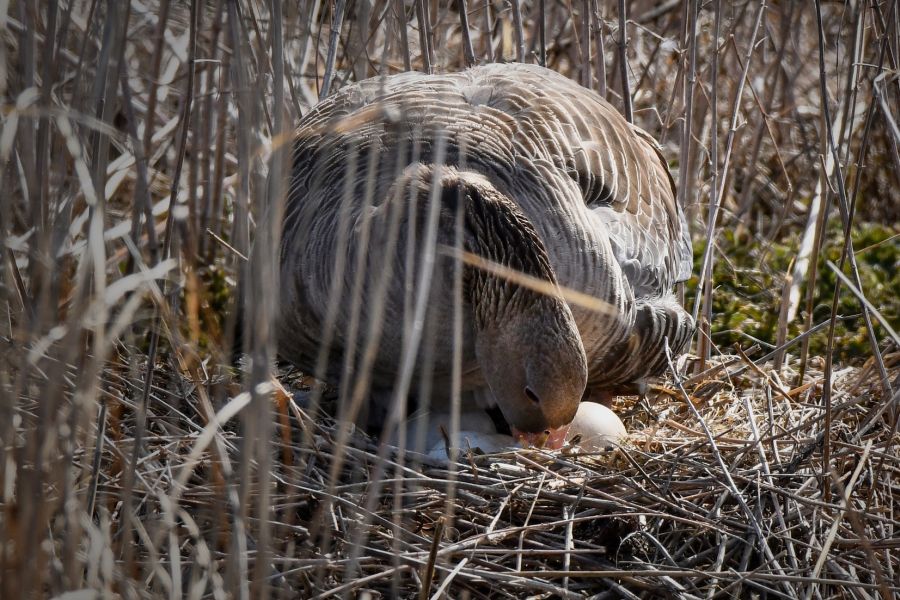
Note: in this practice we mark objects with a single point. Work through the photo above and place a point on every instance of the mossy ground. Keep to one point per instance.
(749, 276)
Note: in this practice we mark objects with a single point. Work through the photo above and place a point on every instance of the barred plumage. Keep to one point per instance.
(556, 159)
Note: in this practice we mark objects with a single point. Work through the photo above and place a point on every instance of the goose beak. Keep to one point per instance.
(551, 439)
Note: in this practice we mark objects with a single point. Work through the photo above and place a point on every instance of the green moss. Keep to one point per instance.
(748, 276)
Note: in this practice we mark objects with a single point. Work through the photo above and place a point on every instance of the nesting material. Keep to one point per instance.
(516, 515)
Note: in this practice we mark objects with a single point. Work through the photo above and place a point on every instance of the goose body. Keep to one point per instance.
(544, 177)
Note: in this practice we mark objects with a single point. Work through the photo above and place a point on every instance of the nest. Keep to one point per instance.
(722, 489)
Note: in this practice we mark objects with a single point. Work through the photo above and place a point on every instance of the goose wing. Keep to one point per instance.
(619, 168)
(499, 112)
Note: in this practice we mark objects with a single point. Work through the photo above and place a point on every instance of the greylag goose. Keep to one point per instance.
(545, 178)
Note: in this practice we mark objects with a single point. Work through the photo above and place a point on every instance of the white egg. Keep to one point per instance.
(489, 443)
(598, 426)
(426, 431)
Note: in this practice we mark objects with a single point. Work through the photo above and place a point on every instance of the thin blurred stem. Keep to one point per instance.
(519, 29)
(586, 73)
(488, 33)
(27, 67)
(48, 76)
(703, 335)
(429, 34)
(400, 8)
(468, 50)
(813, 271)
(217, 174)
(542, 33)
(265, 276)
(623, 62)
(191, 225)
(143, 202)
(424, 37)
(601, 54)
(208, 112)
(827, 379)
(851, 89)
(38, 274)
(237, 569)
(690, 85)
(155, 63)
(337, 20)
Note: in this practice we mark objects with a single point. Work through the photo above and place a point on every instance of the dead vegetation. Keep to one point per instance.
(135, 461)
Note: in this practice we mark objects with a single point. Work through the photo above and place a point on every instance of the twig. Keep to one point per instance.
(468, 49)
(519, 29)
(337, 21)
(428, 572)
(623, 62)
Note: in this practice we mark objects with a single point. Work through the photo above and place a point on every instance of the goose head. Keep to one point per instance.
(526, 341)
(535, 365)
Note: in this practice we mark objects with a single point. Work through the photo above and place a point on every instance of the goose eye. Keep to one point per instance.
(531, 395)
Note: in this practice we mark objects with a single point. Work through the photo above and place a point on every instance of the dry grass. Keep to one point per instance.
(133, 463)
